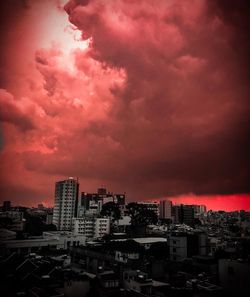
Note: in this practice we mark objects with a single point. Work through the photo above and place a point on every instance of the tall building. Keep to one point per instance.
(183, 214)
(66, 202)
(199, 209)
(165, 209)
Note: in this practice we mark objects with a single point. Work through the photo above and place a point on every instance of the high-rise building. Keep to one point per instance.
(183, 214)
(66, 202)
(165, 209)
(199, 209)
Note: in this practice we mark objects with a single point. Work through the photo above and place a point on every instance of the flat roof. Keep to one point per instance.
(144, 240)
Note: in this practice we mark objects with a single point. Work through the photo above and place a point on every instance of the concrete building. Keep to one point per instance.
(184, 245)
(92, 227)
(53, 239)
(123, 223)
(234, 277)
(145, 242)
(165, 209)
(199, 209)
(126, 256)
(91, 203)
(49, 218)
(66, 202)
(183, 214)
(139, 283)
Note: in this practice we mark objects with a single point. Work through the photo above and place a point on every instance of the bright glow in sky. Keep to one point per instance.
(145, 105)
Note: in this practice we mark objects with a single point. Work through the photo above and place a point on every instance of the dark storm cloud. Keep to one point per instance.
(183, 114)
(157, 104)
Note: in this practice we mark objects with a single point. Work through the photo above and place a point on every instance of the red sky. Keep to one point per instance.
(148, 97)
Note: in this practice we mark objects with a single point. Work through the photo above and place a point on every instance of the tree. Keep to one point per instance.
(197, 222)
(111, 209)
(141, 215)
(34, 225)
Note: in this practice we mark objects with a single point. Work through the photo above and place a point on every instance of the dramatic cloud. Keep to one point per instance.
(143, 97)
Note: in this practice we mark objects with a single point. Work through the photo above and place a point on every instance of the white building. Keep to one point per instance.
(92, 227)
(122, 223)
(165, 209)
(66, 202)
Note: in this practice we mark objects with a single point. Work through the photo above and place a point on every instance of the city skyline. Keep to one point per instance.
(238, 202)
(151, 100)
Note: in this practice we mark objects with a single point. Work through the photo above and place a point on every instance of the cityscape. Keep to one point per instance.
(98, 244)
(124, 148)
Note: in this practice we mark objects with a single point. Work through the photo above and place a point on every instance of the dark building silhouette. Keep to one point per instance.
(183, 214)
(6, 206)
(94, 201)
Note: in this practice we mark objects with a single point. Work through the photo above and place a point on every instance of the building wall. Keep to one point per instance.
(53, 239)
(183, 214)
(234, 277)
(101, 227)
(98, 199)
(177, 248)
(84, 226)
(124, 257)
(165, 211)
(92, 227)
(66, 202)
(187, 245)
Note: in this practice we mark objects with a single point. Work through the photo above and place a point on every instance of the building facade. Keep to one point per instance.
(185, 245)
(165, 211)
(66, 202)
(92, 227)
(183, 214)
(91, 203)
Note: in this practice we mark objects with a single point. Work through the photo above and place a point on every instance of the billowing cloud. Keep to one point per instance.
(11, 112)
(144, 97)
